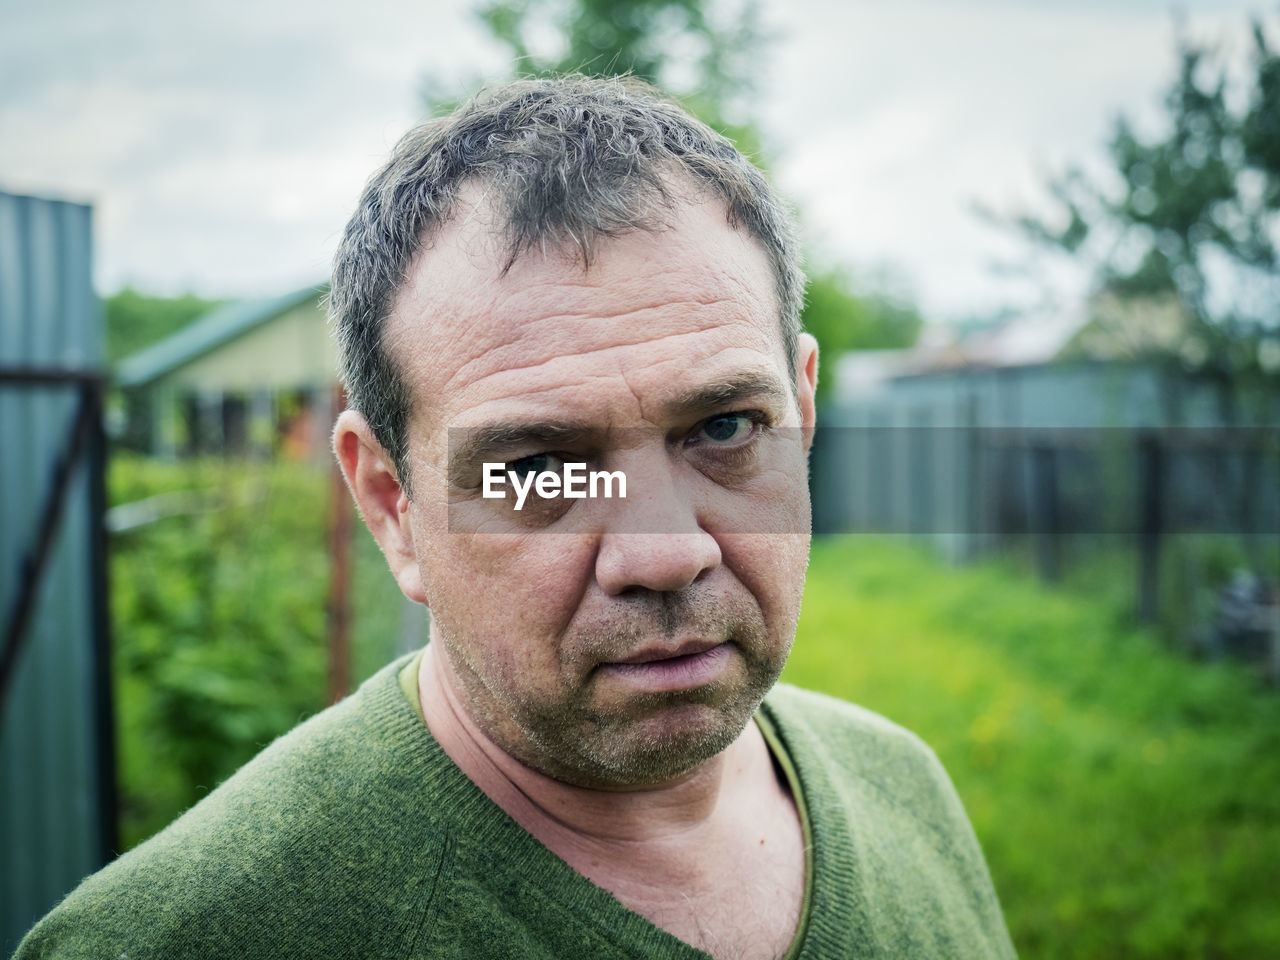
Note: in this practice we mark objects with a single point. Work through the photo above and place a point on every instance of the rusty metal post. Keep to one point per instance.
(340, 526)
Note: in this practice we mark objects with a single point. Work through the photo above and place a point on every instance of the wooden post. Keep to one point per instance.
(210, 440)
(262, 424)
(164, 423)
(340, 524)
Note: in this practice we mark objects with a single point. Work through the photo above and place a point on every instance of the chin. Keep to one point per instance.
(608, 741)
(667, 744)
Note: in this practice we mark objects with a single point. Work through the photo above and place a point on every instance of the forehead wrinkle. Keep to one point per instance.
(455, 383)
(536, 390)
(749, 382)
(538, 279)
(459, 327)
(593, 416)
(510, 333)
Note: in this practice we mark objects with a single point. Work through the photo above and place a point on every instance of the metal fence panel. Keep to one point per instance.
(970, 455)
(56, 808)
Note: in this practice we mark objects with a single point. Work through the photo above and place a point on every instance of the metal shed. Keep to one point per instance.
(57, 815)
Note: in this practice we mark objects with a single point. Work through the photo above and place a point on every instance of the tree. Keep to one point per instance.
(135, 320)
(705, 54)
(1190, 230)
(842, 320)
(681, 45)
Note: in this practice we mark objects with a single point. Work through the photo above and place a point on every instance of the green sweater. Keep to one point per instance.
(356, 836)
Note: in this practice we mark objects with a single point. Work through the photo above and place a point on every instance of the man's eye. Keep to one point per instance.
(535, 464)
(727, 428)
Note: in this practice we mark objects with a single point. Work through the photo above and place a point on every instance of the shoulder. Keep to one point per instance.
(890, 834)
(856, 752)
(819, 719)
(308, 845)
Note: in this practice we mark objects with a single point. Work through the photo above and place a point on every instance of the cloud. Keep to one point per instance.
(895, 119)
(224, 144)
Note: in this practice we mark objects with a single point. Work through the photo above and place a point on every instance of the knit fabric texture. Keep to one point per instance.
(356, 836)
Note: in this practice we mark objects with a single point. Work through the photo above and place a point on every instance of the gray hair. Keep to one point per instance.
(569, 159)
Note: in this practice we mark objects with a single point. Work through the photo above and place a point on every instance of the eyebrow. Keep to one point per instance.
(744, 387)
(497, 441)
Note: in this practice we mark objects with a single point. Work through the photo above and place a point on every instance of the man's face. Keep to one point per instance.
(607, 642)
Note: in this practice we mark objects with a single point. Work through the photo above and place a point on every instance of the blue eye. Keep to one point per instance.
(728, 428)
(536, 463)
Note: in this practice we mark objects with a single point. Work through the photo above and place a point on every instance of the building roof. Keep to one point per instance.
(208, 333)
(1024, 340)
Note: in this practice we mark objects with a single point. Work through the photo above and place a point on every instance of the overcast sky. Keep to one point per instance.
(224, 144)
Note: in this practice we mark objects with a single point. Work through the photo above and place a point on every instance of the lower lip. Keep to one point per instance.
(674, 673)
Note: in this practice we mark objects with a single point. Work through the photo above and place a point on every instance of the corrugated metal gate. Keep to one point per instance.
(57, 813)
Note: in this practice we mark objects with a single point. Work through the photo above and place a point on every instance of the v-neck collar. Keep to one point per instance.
(508, 846)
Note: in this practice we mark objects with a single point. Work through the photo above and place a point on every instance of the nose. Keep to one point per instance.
(654, 561)
(653, 540)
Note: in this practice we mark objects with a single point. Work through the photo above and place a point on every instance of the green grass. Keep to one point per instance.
(1127, 799)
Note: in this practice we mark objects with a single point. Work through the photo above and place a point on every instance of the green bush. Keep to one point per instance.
(220, 623)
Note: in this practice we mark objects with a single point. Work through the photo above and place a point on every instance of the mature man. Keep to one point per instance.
(590, 758)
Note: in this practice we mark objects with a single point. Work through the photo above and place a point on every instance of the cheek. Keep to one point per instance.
(765, 540)
(773, 497)
(772, 567)
(512, 595)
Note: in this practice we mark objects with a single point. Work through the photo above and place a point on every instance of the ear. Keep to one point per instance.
(807, 384)
(383, 504)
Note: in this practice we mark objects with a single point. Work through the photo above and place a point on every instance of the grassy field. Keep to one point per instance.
(1128, 800)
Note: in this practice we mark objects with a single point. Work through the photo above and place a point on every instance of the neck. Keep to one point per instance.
(715, 858)
(556, 811)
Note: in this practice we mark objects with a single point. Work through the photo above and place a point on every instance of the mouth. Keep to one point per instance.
(690, 648)
(654, 669)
